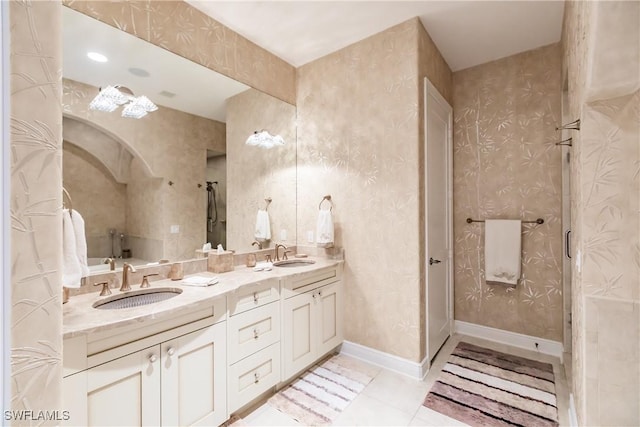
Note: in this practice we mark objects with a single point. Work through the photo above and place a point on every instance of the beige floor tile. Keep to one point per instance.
(267, 415)
(397, 390)
(368, 411)
(429, 417)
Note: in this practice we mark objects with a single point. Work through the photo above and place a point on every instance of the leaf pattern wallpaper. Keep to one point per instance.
(507, 166)
(358, 140)
(185, 31)
(35, 203)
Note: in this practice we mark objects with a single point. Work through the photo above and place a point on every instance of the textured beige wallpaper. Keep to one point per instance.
(358, 140)
(36, 201)
(167, 144)
(88, 180)
(605, 213)
(184, 30)
(433, 65)
(254, 173)
(507, 166)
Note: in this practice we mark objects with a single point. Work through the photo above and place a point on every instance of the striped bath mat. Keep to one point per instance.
(483, 387)
(323, 391)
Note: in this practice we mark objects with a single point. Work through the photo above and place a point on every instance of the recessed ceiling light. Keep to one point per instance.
(98, 57)
(139, 72)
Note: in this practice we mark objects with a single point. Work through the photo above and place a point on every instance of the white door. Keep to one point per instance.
(438, 210)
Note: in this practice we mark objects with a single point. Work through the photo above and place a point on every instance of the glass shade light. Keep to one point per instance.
(111, 97)
(264, 139)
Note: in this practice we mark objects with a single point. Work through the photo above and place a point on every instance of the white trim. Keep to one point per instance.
(573, 416)
(385, 360)
(5, 216)
(528, 342)
(431, 90)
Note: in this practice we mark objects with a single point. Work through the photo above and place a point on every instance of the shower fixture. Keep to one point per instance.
(111, 97)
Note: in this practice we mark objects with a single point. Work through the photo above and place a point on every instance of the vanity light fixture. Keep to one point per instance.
(111, 97)
(264, 139)
(98, 57)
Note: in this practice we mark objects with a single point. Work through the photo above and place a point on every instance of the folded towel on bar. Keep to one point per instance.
(81, 242)
(199, 281)
(502, 249)
(263, 226)
(71, 270)
(324, 229)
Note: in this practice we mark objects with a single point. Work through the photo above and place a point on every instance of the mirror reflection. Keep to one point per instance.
(161, 186)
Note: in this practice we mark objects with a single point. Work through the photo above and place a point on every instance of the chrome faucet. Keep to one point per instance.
(111, 262)
(126, 269)
(278, 246)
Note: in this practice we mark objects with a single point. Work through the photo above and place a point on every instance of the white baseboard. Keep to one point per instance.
(553, 348)
(573, 416)
(385, 360)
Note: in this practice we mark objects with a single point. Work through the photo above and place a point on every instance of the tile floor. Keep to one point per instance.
(393, 399)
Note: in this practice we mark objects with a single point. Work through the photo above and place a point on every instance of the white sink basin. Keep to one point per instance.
(137, 298)
(294, 263)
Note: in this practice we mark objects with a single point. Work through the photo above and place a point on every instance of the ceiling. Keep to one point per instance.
(198, 90)
(467, 33)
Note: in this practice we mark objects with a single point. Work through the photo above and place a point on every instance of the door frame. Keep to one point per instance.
(430, 90)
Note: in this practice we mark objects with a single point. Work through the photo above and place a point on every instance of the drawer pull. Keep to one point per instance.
(171, 351)
(256, 333)
(255, 297)
(153, 358)
(319, 293)
(256, 375)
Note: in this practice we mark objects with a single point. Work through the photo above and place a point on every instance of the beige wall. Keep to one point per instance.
(184, 30)
(36, 201)
(507, 166)
(167, 144)
(255, 173)
(89, 181)
(359, 140)
(601, 49)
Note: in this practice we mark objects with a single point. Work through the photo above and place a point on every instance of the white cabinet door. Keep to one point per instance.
(299, 342)
(194, 380)
(125, 391)
(329, 305)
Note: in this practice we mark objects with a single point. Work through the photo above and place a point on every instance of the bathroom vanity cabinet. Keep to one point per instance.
(201, 366)
(312, 319)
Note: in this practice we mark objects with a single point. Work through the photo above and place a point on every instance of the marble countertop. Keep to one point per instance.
(80, 318)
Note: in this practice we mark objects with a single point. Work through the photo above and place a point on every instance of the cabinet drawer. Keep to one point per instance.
(305, 282)
(253, 330)
(252, 376)
(255, 295)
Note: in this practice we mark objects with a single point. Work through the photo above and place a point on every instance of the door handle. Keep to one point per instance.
(434, 261)
(567, 243)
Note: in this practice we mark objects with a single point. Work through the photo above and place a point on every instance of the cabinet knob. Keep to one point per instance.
(319, 293)
(256, 375)
(153, 358)
(256, 333)
(171, 351)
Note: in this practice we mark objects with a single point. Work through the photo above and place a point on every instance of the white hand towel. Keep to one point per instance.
(502, 248)
(71, 271)
(324, 229)
(263, 226)
(81, 242)
(199, 281)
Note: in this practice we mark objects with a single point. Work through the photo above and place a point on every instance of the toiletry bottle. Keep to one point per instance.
(251, 260)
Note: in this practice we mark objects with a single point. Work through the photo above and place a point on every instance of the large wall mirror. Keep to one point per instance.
(161, 186)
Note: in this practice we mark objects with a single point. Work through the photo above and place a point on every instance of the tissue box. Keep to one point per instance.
(220, 262)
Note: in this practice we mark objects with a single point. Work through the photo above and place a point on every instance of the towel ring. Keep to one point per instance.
(267, 201)
(328, 198)
(66, 193)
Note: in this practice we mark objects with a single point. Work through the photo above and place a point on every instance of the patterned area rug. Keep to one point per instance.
(322, 392)
(483, 387)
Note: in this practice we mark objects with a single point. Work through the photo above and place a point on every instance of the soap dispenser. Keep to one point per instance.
(251, 260)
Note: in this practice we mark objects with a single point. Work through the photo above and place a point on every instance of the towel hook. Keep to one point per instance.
(267, 201)
(66, 193)
(328, 198)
